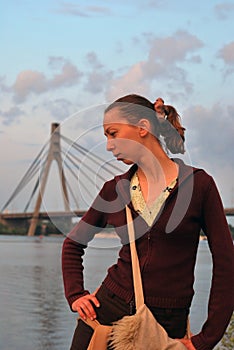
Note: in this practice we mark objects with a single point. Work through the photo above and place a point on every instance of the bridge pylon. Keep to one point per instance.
(54, 153)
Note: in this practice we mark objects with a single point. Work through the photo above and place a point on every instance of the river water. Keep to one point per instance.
(33, 311)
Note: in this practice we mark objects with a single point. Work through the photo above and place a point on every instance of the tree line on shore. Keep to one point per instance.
(49, 229)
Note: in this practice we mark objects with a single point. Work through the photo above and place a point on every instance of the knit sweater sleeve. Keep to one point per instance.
(74, 248)
(221, 299)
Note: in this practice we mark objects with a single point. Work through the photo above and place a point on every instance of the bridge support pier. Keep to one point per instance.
(53, 154)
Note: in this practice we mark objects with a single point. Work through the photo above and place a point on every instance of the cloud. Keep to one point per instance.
(210, 133)
(29, 81)
(227, 53)
(224, 10)
(68, 8)
(59, 109)
(97, 81)
(92, 59)
(56, 62)
(67, 77)
(132, 81)
(3, 85)
(163, 61)
(11, 115)
(210, 143)
(165, 56)
(98, 78)
(155, 3)
(174, 48)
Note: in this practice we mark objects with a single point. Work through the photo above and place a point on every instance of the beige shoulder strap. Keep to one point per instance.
(137, 281)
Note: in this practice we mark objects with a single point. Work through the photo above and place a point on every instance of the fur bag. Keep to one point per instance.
(141, 332)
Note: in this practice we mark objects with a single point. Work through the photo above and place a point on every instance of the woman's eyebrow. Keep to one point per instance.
(107, 131)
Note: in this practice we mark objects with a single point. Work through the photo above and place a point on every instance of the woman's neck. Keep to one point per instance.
(155, 164)
(155, 173)
(158, 170)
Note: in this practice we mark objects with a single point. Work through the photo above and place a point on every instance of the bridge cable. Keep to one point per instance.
(80, 169)
(75, 176)
(35, 187)
(85, 165)
(92, 156)
(85, 174)
(102, 160)
(32, 194)
(24, 181)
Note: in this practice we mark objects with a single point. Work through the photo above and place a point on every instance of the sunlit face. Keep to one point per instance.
(123, 139)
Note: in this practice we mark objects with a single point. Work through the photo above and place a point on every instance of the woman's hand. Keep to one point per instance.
(84, 306)
(187, 343)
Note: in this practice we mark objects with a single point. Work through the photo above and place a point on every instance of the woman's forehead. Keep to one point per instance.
(114, 116)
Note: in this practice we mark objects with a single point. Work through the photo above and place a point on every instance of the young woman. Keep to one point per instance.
(171, 203)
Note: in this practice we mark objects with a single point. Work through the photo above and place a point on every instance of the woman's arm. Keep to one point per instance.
(221, 299)
(72, 268)
(188, 343)
(74, 247)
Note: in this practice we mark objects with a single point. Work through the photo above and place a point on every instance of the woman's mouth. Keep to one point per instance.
(116, 155)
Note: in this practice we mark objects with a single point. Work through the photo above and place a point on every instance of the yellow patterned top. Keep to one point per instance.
(148, 213)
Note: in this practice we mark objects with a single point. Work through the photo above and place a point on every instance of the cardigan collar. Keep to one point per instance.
(123, 180)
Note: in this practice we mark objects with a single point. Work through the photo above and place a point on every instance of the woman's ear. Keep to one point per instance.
(144, 127)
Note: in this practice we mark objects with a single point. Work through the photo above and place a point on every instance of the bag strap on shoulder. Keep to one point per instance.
(137, 281)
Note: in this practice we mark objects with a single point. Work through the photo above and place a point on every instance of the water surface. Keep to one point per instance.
(34, 313)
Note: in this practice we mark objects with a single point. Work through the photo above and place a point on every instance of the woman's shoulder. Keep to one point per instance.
(189, 167)
(125, 175)
(119, 182)
(194, 172)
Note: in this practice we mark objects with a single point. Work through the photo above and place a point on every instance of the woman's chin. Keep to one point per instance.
(126, 161)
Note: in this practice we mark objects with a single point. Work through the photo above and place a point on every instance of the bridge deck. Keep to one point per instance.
(75, 213)
(42, 215)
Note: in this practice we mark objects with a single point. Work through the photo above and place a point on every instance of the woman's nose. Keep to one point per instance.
(109, 145)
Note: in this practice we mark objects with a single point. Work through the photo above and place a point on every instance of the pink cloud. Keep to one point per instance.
(162, 63)
(227, 53)
(33, 82)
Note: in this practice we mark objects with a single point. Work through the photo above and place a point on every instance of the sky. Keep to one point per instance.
(62, 60)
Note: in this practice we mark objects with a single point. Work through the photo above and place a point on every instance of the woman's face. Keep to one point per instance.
(123, 138)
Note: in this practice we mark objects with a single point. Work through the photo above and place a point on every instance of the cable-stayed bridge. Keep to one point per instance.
(94, 171)
(72, 158)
